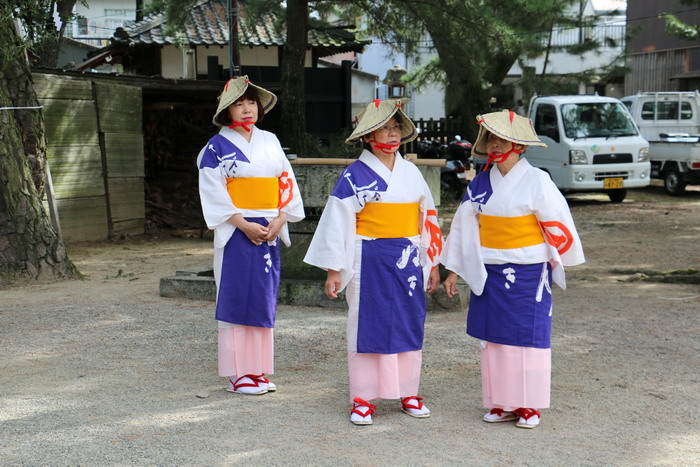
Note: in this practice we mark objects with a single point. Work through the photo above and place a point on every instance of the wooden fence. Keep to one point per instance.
(95, 154)
(442, 130)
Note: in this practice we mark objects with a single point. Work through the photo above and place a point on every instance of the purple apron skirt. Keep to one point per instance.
(392, 302)
(515, 307)
(250, 277)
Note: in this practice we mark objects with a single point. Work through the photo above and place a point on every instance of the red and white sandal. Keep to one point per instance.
(247, 384)
(415, 409)
(358, 416)
(529, 418)
(264, 382)
(499, 415)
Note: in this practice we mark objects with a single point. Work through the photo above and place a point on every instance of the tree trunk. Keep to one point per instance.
(29, 247)
(293, 97)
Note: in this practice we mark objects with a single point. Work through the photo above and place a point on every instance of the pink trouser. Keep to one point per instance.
(384, 376)
(245, 350)
(514, 377)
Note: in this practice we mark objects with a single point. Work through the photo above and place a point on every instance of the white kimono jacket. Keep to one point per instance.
(333, 244)
(261, 157)
(522, 191)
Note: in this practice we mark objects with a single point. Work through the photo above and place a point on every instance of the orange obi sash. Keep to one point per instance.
(504, 233)
(388, 220)
(254, 192)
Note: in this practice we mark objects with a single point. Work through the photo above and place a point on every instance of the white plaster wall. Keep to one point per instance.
(259, 56)
(429, 103)
(171, 62)
(362, 88)
(203, 52)
(100, 24)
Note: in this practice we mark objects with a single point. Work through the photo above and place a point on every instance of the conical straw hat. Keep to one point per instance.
(507, 125)
(233, 90)
(376, 114)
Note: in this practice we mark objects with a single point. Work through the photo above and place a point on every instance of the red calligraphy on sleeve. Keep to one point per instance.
(435, 233)
(286, 192)
(557, 235)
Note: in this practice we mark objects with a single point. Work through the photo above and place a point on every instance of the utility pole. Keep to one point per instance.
(234, 59)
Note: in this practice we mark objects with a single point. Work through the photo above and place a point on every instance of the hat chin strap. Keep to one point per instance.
(500, 158)
(385, 148)
(245, 125)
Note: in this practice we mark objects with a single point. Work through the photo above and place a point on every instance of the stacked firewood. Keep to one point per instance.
(173, 138)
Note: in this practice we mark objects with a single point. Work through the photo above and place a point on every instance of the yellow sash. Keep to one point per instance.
(388, 220)
(504, 233)
(254, 192)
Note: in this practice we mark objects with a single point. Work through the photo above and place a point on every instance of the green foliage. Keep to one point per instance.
(37, 19)
(676, 27)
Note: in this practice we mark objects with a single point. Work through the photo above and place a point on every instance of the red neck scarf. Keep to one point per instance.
(500, 158)
(245, 125)
(385, 148)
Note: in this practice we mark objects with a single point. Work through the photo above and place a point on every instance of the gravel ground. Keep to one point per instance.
(104, 371)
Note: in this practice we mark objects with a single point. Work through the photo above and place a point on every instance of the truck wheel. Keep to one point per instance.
(617, 196)
(673, 182)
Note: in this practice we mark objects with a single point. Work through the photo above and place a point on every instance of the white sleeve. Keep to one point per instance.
(332, 246)
(558, 226)
(294, 207)
(217, 206)
(431, 239)
(462, 251)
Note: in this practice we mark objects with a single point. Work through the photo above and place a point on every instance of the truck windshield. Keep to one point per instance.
(598, 119)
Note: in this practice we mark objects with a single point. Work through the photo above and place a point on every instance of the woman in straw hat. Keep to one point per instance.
(511, 236)
(248, 194)
(379, 236)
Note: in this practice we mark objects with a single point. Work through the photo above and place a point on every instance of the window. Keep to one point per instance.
(666, 110)
(597, 119)
(546, 121)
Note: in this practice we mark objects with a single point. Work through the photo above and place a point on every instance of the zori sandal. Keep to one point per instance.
(246, 384)
(359, 416)
(415, 409)
(529, 418)
(499, 415)
(264, 382)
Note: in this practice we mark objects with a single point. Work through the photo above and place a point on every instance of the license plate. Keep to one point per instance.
(610, 183)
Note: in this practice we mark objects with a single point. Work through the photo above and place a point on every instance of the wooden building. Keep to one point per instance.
(659, 61)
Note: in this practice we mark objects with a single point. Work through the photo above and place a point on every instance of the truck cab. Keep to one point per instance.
(670, 121)
(592, 143)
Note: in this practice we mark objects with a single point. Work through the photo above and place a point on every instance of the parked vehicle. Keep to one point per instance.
(453, 178)
(459, 149)
(670, 121)
(429, 149)
(592, 145)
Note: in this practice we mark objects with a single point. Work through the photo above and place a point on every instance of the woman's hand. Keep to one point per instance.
(332, 283)
(275, 226)
(450, 284)
(434, 280)
(256, 233)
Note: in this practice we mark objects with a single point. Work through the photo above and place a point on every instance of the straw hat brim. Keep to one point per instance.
(506, 125)
(377, 115)
(236, 87)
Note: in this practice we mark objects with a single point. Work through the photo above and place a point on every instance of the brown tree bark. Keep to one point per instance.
(29, 247)
(293, 97)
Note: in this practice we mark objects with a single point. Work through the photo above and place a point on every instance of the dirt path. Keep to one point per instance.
(105, 371)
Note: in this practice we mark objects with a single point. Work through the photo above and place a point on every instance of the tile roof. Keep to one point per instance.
(208, 25)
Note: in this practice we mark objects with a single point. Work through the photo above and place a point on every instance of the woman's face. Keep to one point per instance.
(389, 134)
(496, 145)
(243, 110)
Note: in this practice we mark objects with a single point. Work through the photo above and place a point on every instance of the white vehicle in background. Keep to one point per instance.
(670, 121)
(592, 145)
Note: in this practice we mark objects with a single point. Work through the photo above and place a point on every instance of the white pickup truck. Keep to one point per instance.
(670, 121)
(592, 145)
